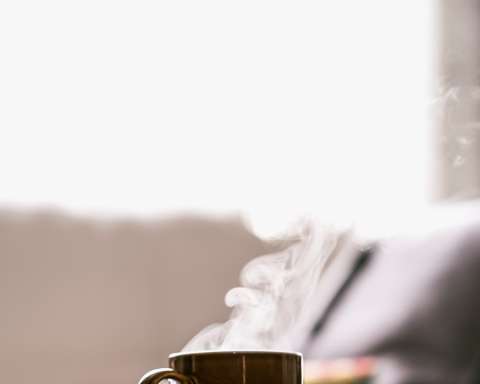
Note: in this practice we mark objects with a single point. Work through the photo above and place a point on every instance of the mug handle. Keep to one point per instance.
(157, 375)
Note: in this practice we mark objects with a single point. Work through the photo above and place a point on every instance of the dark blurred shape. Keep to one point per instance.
(358, 266)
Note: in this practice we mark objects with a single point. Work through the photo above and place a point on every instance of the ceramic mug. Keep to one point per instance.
(230, 367)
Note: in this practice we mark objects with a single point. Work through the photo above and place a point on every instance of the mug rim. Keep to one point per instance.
(234, 352)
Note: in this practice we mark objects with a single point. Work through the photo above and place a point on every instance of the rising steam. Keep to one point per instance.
(274, 292)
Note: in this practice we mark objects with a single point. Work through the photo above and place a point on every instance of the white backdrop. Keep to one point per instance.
(270, 108)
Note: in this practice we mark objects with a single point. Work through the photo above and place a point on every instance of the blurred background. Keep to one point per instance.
(148, 150)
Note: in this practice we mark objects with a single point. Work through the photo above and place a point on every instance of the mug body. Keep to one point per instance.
(239, 367)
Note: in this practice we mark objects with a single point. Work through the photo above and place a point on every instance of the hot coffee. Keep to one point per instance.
(230, 367)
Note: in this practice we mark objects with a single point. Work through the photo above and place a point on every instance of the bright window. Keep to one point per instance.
(271, 108)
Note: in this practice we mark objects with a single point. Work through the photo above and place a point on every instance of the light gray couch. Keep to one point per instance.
(101, 302)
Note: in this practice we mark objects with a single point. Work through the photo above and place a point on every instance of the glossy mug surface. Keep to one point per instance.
(230, 367)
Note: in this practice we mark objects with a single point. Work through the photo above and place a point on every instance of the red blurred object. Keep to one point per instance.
(355, 370)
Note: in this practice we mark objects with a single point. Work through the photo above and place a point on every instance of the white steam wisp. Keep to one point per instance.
(274, 291)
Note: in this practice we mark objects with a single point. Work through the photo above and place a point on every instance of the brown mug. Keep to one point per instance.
(230, 367)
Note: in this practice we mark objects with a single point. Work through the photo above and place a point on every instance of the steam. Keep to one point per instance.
(275, 289)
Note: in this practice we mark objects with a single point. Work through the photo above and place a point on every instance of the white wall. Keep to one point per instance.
(268, 107)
